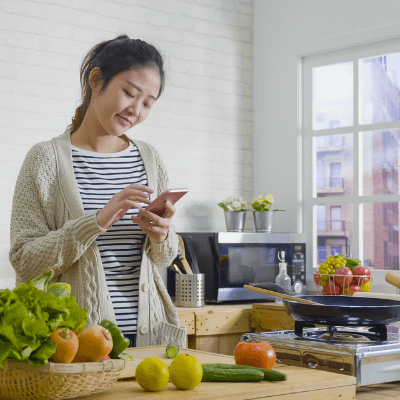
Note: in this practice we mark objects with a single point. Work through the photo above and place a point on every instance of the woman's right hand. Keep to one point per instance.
(121, 202)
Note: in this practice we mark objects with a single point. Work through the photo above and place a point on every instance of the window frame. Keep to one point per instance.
(307, 153)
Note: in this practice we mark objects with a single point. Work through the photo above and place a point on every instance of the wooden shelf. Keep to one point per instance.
(216, 328)
(267, 317)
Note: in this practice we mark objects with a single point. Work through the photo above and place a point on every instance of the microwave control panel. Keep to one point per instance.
(297, 270)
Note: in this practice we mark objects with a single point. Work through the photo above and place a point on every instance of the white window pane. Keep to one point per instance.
(379, 89)
(334, 165)
(381, 235)
(335, 226)
(381, 162)
(332, 96)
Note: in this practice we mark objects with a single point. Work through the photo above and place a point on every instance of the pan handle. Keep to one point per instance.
(274, 287)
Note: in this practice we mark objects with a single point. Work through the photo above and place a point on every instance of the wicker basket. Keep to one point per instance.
(20, 380)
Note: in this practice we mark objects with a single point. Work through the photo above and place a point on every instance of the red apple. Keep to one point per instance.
(332, 288)
(360, 270)
(343, 276)
(349, 291)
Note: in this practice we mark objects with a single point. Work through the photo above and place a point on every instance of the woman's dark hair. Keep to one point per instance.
(113, 57)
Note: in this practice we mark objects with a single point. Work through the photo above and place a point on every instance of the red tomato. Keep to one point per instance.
(343, 280)
(316, 277)
(261, 354)
(332, 288)
(360, 270)
(351, 289)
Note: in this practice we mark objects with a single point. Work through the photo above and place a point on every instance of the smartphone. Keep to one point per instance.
(157, 206)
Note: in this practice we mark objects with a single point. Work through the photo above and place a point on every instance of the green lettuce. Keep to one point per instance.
(28, 316)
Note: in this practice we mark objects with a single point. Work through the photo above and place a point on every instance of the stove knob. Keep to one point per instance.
(298, 287)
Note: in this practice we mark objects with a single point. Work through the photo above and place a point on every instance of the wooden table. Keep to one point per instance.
(216, 328)
(301, 384)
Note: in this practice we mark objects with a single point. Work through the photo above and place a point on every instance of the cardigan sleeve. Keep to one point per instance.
(36, 241)
(163, 254)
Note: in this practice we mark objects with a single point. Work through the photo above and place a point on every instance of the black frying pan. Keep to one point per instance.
(338, 310)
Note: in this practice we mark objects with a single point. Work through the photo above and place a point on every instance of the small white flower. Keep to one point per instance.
(236, 204)
(270, 198)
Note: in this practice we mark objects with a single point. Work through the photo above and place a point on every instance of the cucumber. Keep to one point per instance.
(231, 375)
(269, 374)
(172, 350)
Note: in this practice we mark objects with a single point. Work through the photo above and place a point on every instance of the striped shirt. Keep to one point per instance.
(99, 176)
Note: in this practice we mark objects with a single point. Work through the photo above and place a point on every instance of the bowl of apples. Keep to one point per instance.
(340, 275)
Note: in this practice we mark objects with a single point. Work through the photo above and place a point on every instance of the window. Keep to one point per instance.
(335, 218)
(336, 174)
(321, 254)
(351, 131)
(336, 250)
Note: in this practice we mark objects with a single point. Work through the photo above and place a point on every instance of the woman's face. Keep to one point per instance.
(126, 101)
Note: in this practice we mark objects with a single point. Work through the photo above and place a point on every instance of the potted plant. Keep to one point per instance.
(263, 213)
(235, 213)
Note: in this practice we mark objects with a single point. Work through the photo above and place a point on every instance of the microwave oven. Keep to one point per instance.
(230, 260)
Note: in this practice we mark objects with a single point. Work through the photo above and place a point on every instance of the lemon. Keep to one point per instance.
(152, 374)
(186, 371)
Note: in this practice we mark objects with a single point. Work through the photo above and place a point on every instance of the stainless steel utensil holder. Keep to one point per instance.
(189, 290)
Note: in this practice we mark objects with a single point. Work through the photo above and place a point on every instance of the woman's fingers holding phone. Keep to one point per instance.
(155, 226)
(170, 210)
(121, 202)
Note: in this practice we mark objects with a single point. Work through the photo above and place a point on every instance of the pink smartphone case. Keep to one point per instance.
(158, 205)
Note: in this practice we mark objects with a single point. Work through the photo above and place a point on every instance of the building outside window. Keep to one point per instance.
(351, 131)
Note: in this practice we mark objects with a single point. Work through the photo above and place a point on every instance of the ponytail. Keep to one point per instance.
(113, 57)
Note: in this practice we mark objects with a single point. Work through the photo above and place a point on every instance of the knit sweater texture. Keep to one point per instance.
(50, 229)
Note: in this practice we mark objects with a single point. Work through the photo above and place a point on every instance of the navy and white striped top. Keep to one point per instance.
(99, 176)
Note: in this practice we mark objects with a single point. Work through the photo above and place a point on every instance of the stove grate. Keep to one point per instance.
(376, 333)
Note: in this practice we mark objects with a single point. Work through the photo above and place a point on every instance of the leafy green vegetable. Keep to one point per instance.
(28, 316)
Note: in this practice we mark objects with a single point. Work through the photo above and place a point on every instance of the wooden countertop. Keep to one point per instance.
(214, 308)
(372, 392)
(301, 384)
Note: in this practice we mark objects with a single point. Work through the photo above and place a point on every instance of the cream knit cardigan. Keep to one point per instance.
(50, 229)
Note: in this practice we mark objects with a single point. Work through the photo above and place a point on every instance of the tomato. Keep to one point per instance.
(332, 288)
(316, 277)
(343, 276)
(351, 289)
(261, 354)
(363, 273)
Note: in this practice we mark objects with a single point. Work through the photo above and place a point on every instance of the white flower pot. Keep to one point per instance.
(235, 221)
(263, 221)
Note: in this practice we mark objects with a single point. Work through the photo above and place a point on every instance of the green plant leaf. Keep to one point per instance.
(222, 205)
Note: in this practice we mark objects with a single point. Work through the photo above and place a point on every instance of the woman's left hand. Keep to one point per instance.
(157, 227)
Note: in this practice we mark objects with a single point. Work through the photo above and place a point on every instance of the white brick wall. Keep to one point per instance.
(202, 125)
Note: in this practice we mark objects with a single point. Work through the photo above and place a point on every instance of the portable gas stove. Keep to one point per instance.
(371, 354)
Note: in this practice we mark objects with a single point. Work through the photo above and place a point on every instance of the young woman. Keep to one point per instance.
(79, 200)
